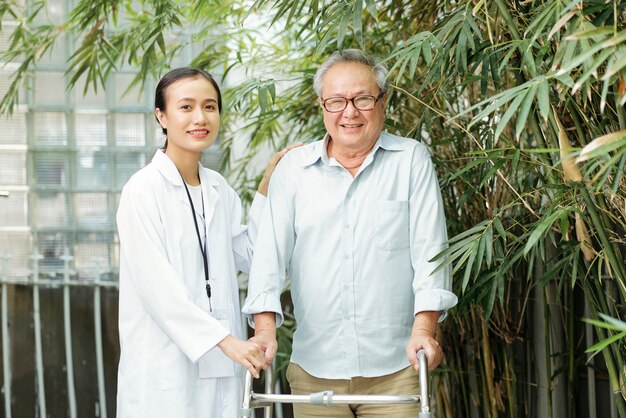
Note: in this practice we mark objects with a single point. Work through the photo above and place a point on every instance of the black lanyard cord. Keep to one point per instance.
(202, 247)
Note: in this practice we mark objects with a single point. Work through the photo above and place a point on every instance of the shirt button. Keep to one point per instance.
(349, 196)
(347, 226)
(226, 402)
(346, 256)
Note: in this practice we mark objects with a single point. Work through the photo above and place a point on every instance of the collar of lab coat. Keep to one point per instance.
(209, 183)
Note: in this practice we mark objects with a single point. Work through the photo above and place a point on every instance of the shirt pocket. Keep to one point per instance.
(391, 224)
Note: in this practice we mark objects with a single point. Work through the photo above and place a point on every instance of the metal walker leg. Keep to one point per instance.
(266, 400)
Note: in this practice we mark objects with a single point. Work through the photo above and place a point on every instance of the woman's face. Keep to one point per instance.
(191, 115)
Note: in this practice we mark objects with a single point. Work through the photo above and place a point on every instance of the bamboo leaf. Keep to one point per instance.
(492, 170)
(343, 28)
(616, 64)
(520, 123)
(561, 22)
(357, 21)
(543, 99)
(602, 145)
(571, 171)
(591, 33)
(489, 244)
(544, 224)
(263, 98)
(371, 8)
(508, 115)
(492, 294)
(469, 266)
(592, 69)
(481, 255)
(499, 228)
(601, 345)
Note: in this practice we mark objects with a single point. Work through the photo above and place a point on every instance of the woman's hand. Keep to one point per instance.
(271, 165)
(246, 353)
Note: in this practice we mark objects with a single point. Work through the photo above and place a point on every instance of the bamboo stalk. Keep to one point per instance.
(594, 288)
(491, 393)
(571, 351)
(548, 349)
(617, 266)
(6, 358)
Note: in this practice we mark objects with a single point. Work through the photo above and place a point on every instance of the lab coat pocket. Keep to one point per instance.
(215, 363)
(175, 368)
(391, 224)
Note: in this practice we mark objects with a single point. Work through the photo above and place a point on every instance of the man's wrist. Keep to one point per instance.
(420, 332)
(270, 330)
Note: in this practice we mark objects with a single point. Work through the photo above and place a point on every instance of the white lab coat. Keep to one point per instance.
(166, 329)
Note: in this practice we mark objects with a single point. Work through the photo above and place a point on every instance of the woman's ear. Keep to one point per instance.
(160, 116)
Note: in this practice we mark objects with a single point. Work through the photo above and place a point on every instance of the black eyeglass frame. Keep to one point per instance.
(346, 100)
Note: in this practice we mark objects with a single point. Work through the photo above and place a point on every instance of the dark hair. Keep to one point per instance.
(178, 74)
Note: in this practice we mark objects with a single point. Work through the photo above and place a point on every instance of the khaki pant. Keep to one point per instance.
(403, 382)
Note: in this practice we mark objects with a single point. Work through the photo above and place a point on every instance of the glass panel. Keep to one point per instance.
(5, 83)
(92, 169)
(92, 252)
(90, 129)
(51, 169)
(14, 209)
(50, 128)
(55, 56)
(13, 129)
(16, 246)
(130, 129)
(52, 210)
(5, 34)
(49, 88)
(52, 246)
(91, 209)
(52, 12)
(124, 96)
(91, 98)
(126, 165)
(13, 168)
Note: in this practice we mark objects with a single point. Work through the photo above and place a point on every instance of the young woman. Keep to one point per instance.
(181, 244)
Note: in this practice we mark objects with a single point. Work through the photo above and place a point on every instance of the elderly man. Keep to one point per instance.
(354, 220)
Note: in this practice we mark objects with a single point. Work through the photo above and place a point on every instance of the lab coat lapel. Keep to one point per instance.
(210, 195)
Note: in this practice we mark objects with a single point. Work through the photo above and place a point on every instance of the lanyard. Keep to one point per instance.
(202, 247)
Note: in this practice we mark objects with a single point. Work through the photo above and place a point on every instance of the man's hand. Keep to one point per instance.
(265, 335)
(246, 353)
(266, 339)
(434, 353)
(271, 165)
(423, 337)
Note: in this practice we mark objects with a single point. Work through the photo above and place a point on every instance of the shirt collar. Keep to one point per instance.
(168, 169)
(318, 151)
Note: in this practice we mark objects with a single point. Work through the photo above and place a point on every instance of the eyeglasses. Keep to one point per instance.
(338, 104)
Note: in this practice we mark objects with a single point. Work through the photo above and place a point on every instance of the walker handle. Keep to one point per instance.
(252, 400)
(424, 399)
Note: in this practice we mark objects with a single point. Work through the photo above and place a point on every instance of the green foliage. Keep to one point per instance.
(512, 97)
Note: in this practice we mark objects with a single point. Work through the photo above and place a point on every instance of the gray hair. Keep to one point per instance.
(351, 55)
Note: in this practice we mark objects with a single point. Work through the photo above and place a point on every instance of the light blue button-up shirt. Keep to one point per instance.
(356, 251)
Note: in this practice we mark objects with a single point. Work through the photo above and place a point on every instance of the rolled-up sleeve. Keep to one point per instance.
(428, 237)
(273, 249)
(244, 236)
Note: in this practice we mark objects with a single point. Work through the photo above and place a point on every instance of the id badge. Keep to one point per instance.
(215, 363)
